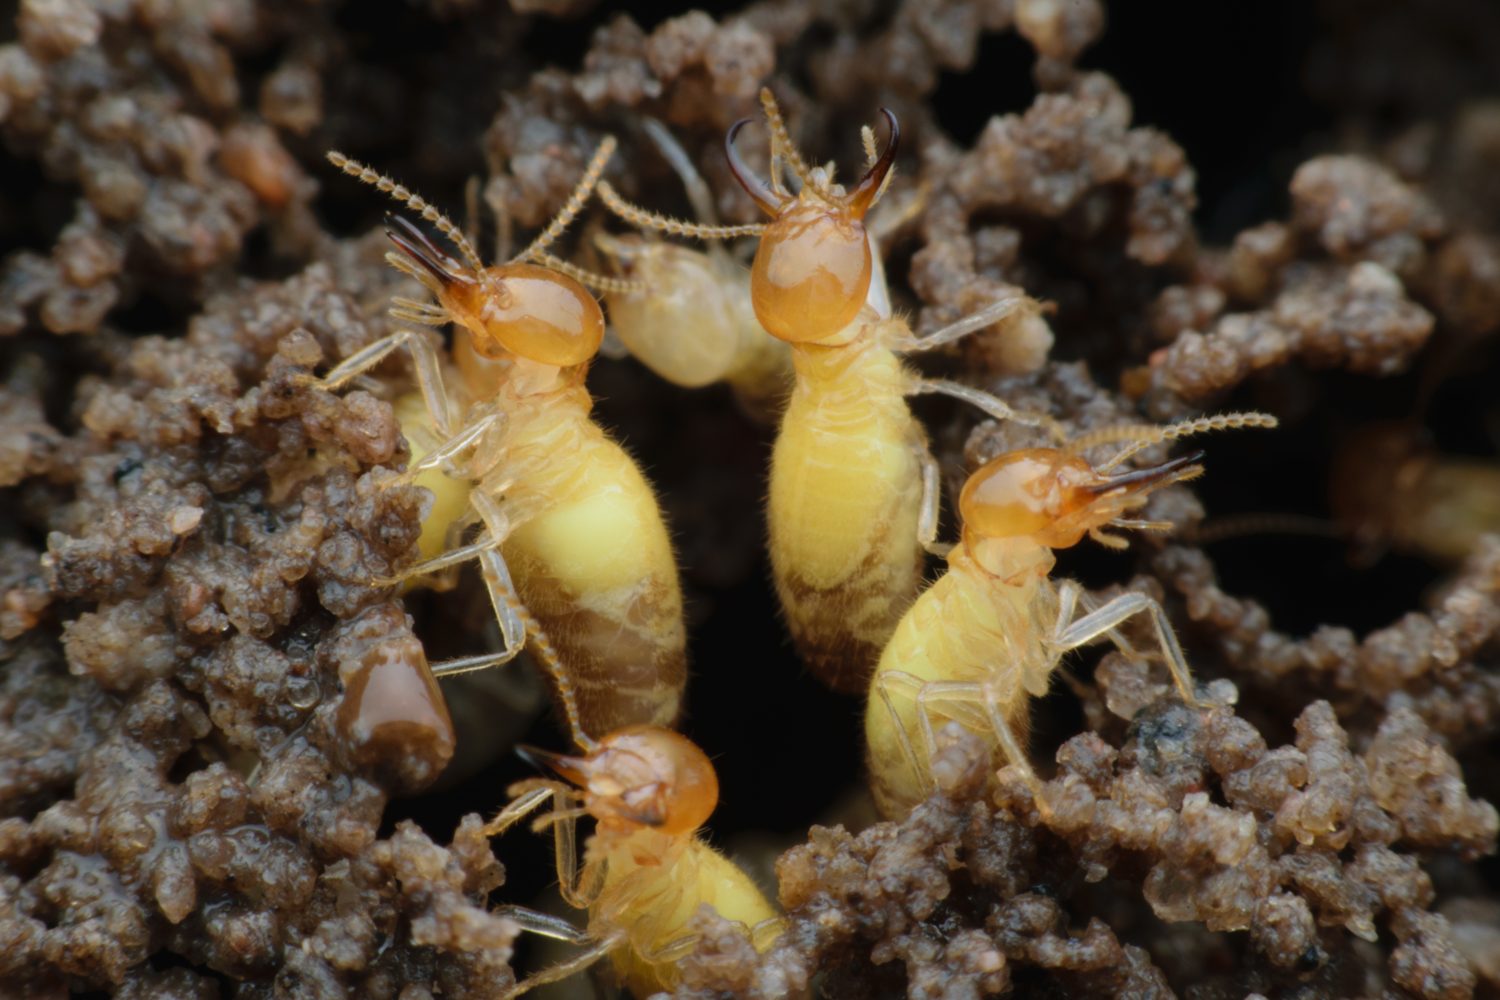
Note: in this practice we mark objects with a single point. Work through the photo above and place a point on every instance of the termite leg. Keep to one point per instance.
(766, 931)
(884, 682)
(520, 807)
(517, 625)
(544, 924)
(437, 563)
(562, 970)
(959, 329)
(672, 951)
(1015, 753)
(927, 519)
(1070, 596)
(967, 696)
(451, 447)
(469, 664)
(986, 402)
(425, 365)
(1104, 620)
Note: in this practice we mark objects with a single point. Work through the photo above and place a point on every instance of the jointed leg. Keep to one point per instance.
(1015, 753)
(453, 446)
(517, 625)
(1070, 597)
(521, 806)
(963, 697)
(989, 403)
(885, 682)
(959, 329)
(562, 970)
(437, 563)
(544, 924)
(425, 366)
(673, 951)
(1104, 620)
(932, 498)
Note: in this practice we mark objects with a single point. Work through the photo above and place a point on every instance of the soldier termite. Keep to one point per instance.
(985, 638)
(565, 512)
(691, 321)
(854, 489)
(646, 868)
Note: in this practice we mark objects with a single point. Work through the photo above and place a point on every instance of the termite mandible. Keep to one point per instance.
(854, 493)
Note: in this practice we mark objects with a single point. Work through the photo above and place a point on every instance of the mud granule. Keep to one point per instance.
(187, 532)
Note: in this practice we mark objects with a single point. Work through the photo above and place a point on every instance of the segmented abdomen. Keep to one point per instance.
(845, 498)
(593, 564)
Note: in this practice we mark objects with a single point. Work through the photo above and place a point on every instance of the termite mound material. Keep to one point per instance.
(204, 792)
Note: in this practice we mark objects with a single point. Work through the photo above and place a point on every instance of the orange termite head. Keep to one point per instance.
(1055, 498)
(813, 267)
(640, 777)
(522, 309)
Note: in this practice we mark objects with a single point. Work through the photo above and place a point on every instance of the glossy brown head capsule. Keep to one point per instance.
(1054, 498)
(640, 777)
(524, 309)
(813, 267)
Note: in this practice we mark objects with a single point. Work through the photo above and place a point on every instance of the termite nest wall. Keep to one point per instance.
(1286, 208)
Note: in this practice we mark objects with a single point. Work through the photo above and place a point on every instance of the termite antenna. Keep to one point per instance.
(1232, 526)
(575, 203)
(590, 279)
(783, 150)
(1140, 436)
(643, 218)
(546, 654)
(411, 199)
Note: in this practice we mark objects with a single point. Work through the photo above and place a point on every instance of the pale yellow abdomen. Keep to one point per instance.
(844, 501)
(592, 562)
(661, 901)
(969, 629)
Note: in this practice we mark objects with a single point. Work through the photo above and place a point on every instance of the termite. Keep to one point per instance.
(986, 637)
(1390, 487)
(574, 551)
(691, 320)
(646, 869)
(854, 491)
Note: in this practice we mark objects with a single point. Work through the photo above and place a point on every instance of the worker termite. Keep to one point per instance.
(691, 321)
(1389, 487)
(573, 545)
(646, 868)
(854, 489)
(987, 636)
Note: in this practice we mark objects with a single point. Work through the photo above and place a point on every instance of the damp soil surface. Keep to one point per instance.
(1285, 207)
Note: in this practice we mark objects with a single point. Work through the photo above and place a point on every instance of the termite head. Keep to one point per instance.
(640, 777)
(813, 267)
(522, 309)
(1055, 498)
